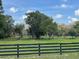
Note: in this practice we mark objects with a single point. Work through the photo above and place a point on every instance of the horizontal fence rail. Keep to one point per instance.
(42, 48)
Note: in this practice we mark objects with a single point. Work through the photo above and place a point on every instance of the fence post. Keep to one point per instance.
(17, 50)
(60, 48)
(39, 50)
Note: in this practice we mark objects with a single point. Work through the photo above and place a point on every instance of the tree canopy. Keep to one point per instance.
(19, 29)
(40, 24)
(6, 25)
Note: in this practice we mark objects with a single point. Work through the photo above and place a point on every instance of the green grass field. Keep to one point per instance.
(46, 56)
(38, 41)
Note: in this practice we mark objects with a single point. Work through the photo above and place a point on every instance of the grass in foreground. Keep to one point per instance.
(46, 56)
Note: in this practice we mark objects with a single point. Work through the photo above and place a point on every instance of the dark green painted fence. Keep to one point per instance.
(42, 48)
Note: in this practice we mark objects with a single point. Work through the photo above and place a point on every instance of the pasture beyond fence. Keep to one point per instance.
(42, 48)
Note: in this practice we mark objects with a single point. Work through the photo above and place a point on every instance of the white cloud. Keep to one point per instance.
(29, 11)
(58, 16)
(66, 6)
(13, 10)
(69, 17)
(63, 6)
(72, 20)
(77, 12)
(24, 16)
(21, 19)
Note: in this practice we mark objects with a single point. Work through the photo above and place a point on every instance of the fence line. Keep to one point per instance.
(42, 48)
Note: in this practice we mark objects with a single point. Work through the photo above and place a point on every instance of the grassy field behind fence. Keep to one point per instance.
(25, 41)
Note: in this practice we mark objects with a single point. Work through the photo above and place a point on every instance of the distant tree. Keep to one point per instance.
(52, 29)
(76, 27)
(40, 24)
(19, 29)
(72, 32)
(63, 30)
(9, 25)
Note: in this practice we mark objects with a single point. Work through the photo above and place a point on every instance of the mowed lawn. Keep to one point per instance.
(45, 56)
(33, 41)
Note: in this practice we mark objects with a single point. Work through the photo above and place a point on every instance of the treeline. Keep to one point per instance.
(39, 25)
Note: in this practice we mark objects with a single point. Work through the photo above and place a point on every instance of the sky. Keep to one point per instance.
(62, 11)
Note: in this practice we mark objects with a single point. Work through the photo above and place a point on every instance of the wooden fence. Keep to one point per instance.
(42, 48)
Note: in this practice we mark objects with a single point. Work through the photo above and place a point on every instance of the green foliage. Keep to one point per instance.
(6, 25)
(19, 29)
(76, 27)
(40, 24)
(72, 32)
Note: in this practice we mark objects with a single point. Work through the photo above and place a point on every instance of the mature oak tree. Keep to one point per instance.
(40, 24)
